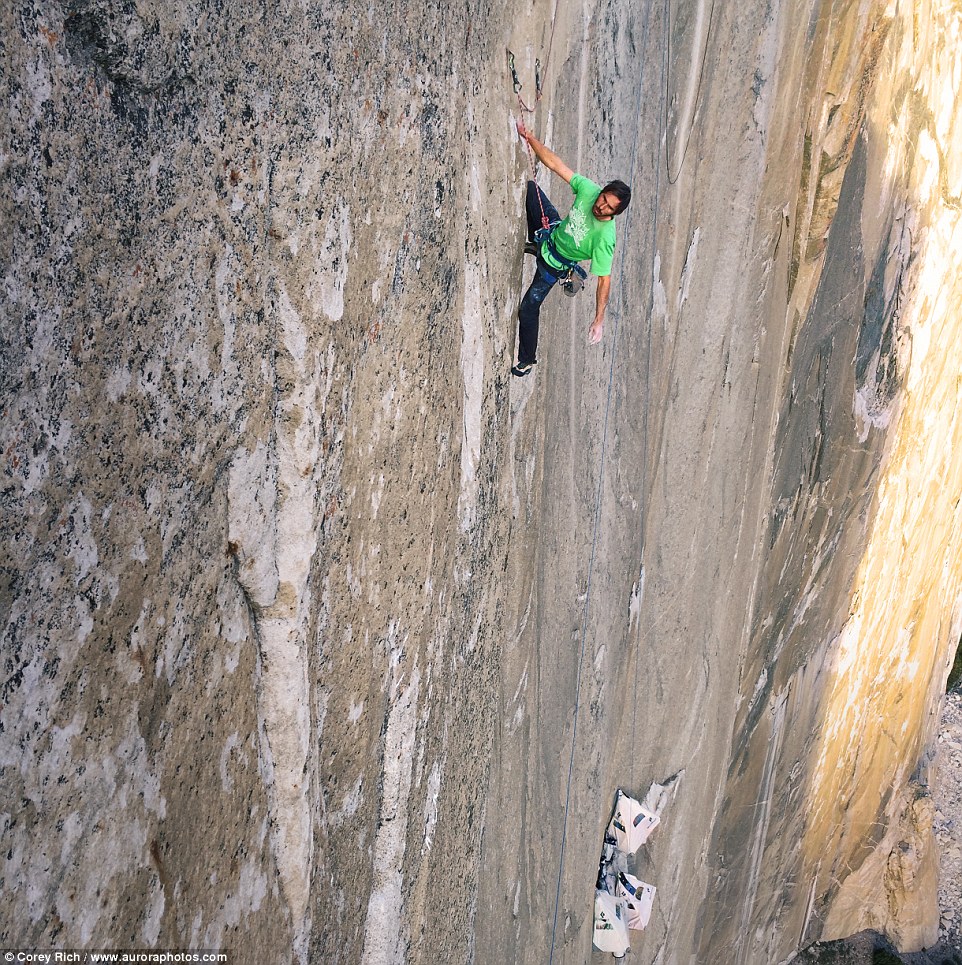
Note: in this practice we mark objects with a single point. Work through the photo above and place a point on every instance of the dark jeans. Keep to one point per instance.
(544, 279)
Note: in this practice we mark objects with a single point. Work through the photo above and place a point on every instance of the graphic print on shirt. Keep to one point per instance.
(577, 225)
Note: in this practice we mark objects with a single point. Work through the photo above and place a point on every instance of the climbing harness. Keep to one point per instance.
(573, 280)
(573, 277)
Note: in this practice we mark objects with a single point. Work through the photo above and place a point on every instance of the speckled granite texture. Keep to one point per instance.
(948, 822)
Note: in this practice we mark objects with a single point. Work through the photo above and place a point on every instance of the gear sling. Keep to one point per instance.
(573, 280)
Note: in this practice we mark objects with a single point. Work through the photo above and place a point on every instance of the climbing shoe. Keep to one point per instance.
(522, 368)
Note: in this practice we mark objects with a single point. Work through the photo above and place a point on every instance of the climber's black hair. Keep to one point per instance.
(621, 191)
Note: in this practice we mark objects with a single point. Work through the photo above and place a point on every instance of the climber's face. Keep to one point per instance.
(605, 207)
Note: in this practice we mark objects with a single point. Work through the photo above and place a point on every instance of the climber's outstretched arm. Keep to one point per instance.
(601, 303)
(546, 156)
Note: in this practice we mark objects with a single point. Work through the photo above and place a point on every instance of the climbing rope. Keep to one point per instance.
(600, 487)
(643, 512)
(524, 108)
(673, 177)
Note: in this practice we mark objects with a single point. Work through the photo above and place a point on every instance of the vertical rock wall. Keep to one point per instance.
(138, 352)
(860, 594)
(323, 639)
(254, 289)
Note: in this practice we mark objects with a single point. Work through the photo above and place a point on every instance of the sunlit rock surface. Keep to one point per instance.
(324, 640)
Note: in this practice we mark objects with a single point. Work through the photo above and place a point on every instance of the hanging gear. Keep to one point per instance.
(573, 282)
(514, 73)
(574, 277)
(523, 108)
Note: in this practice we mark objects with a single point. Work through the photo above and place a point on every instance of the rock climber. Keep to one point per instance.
(587, 233)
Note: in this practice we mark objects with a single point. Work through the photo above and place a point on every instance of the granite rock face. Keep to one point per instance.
(323, 639)
(948, 819)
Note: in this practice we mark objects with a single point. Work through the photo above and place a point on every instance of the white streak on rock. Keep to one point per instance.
(431, 806)
(472, 372)
(383, 937)
(154, 916)
(234, 627)
(352, 801)
(83, 549)
(117, 383)
(634, 604)
(38, 83)
(226, 781)
(250, 894)
(226, 277)
(659, 297)
(283, 700)
(868, 413)
(688, 270)
(283, 619)
(332, 263)
(252, 524)
(376, 496)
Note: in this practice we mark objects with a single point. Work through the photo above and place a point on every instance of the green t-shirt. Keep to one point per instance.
(581, 235)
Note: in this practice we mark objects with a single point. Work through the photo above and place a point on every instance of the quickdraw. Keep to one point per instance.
(523, 108)
(514, 73)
